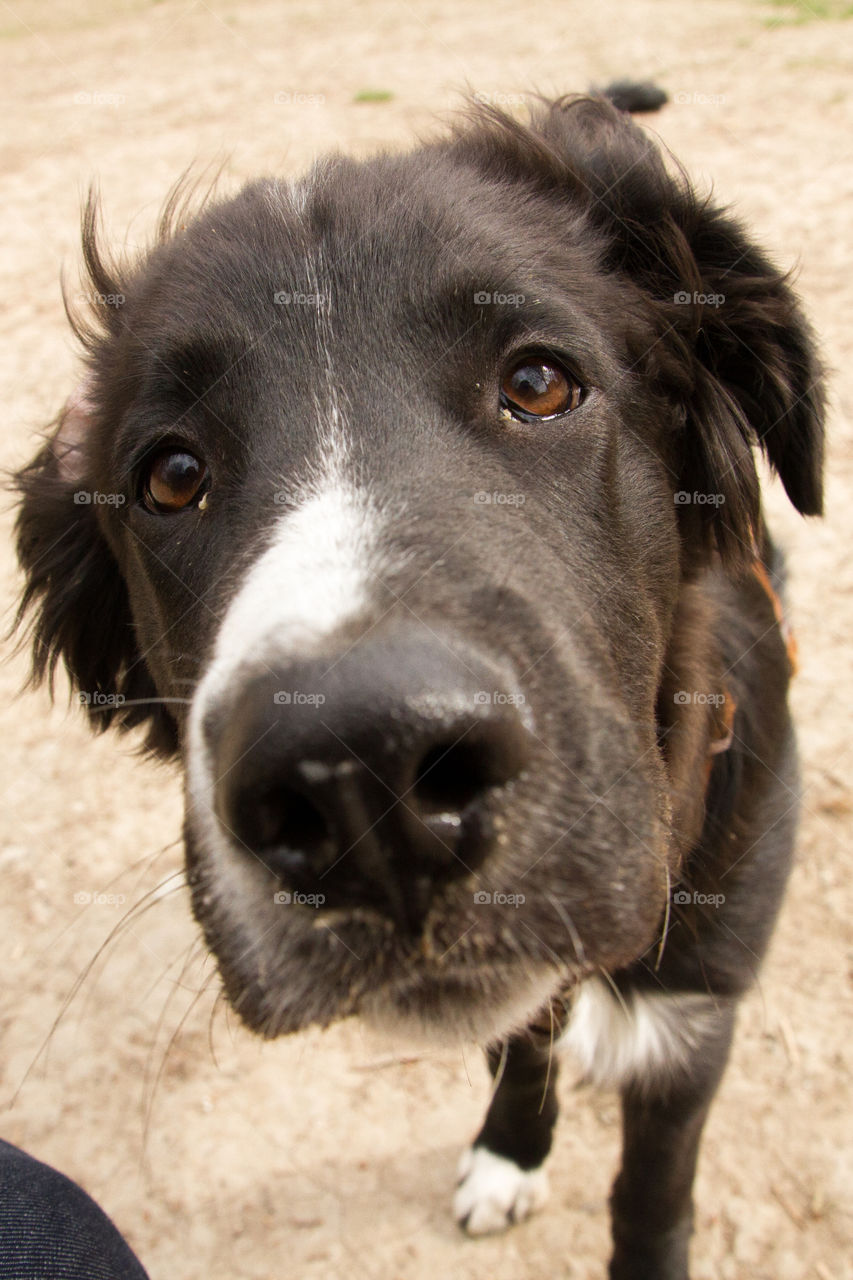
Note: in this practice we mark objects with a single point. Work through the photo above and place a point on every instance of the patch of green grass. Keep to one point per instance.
(373, 95)
(799, 11)
(35, 18)
(817, 64)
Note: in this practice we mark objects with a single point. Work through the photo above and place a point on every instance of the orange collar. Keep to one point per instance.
(760, 571)
(726, 717)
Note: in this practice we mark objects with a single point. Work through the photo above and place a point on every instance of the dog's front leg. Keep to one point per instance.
(662, 1120)
(501, 1176)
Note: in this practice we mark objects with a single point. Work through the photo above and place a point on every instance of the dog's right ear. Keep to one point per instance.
(74, 595)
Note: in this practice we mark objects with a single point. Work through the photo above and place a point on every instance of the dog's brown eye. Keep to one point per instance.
(174, 479)
(534, 388)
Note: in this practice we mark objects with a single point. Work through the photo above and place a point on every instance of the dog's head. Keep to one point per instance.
(371, 504)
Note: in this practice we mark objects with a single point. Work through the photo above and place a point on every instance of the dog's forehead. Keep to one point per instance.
(389, 259)
(359, 234)
(413, 210)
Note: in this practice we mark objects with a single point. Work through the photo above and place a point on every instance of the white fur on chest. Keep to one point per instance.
(635, 1039)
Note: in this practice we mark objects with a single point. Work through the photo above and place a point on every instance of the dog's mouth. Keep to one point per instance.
(476, 989)
(468, 1002)
(483, 963)
(481, 954)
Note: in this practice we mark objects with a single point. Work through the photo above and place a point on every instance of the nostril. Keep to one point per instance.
(453, 775)
(448, 779)
(281, 819)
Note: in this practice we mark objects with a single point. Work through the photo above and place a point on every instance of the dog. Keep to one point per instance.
(413, 506)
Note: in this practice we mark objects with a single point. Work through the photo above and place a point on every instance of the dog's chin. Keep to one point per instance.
(463, 1005)
(422, 1003)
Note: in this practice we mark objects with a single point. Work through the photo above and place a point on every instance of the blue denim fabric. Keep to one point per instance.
(50, 1229)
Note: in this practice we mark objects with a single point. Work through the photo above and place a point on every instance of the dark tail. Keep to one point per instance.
(634, 96)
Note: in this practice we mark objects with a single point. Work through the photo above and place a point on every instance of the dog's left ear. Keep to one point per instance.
(756, 379)
(727, 343)
(74, 593)
(726, 317)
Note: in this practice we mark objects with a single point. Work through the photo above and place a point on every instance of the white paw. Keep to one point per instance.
(493, 1193)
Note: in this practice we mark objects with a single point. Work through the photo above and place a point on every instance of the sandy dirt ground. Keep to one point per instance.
(333, 1154)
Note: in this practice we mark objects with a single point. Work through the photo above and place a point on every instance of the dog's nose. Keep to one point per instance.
(372, 776)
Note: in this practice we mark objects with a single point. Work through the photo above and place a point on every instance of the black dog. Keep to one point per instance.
(414, 504)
